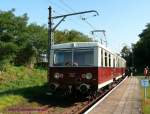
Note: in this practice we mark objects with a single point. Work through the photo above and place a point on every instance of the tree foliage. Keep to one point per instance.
(20, 41)
(139, 57)
(142, 48)
(127, 55)
(70, 36)
(8, 35)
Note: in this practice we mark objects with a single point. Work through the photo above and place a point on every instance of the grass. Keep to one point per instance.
(145, 103)
(18, 84)
(10, 100)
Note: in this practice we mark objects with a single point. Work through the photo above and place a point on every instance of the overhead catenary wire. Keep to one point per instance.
(81, 17)
(62, 9)
(58, 6)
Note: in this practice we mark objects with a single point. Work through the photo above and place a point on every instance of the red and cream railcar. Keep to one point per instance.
(83, 67)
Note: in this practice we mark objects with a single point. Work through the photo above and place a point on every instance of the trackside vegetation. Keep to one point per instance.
(145, 102)
(18, 84)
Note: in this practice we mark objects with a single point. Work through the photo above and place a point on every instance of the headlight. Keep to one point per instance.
(83, 75)
(88, 76)
(56, 75)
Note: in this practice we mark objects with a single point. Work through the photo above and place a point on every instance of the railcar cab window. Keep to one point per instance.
(62, 58)
(74, 57)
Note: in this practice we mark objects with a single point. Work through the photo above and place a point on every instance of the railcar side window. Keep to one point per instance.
(114, 62)
(117, 62)
(102, 57)
(105, 59)
(109, 60)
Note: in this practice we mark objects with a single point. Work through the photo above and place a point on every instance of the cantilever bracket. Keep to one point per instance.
(71, 14)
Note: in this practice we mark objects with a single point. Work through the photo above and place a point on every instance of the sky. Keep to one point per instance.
(123, 20)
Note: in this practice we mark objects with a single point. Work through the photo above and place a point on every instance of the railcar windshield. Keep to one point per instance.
(74, 57)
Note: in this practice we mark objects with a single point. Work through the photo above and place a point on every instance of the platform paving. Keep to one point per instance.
(125, 99)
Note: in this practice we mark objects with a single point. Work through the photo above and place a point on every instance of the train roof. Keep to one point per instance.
(78, 45)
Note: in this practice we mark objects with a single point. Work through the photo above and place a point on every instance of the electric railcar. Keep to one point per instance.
(83, 67)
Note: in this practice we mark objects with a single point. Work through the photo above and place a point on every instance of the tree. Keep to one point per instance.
(142, 49)
(26, 56)
(11, 28)
(34, 44)
(127, 55)
(70, 36)
(18, 38)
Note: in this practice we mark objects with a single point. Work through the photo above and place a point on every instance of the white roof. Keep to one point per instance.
(79, 45)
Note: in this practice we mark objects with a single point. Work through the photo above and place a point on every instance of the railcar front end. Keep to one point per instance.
(72, 69)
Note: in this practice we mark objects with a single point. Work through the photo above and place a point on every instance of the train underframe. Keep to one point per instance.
(80, 90)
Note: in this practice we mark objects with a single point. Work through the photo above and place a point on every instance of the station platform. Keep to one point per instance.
(125, 99)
